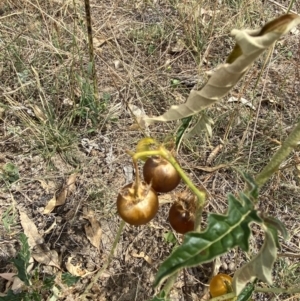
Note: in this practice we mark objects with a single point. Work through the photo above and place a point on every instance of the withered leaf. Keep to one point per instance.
(250, 44)
(46, 256)
(30, 230)
(93, 231)
(75, 269)
(67, 190)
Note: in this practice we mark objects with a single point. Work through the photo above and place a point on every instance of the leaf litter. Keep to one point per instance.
(93, 229)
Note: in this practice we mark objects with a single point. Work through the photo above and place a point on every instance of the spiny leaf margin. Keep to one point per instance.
(260, 266)
(223, 233)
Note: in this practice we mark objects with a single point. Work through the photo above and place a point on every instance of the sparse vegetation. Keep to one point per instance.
(63, 142)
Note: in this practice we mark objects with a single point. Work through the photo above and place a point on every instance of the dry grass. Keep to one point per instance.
(148, 54)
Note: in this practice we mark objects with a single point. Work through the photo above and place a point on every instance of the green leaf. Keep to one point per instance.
(48, 282)
(21, 262)
(182, 129)
(223, 233)
(170, 237)
(12, 297)
(69, 279)
(160, 297)
(10, 172)
(260, 266)
(246, 293)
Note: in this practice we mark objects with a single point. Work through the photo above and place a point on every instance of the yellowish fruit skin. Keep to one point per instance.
(137, 210)
(218, 287)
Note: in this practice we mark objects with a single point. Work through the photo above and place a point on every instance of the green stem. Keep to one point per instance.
(277, 290)
(283, 152)
(201, 196)
(170, 283)
(108, 261)
(198, 217)
(290, 6)
(167, 155)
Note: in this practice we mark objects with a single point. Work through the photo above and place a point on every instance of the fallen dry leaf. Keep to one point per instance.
(8, 276)
(142, 255)
(46, 256)
(30, 230)
(75, 269)
(61, 199)
(71, 183)
(67, 190)
(40, 252)
(93, 231)
(50, 205)
(47, 186)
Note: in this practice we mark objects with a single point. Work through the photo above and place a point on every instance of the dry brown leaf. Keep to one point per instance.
(50, 205)
(46, 256)
(142, 255)
(93, 231)
(68, 189)
(8, 276)
(75, 269)
(47, 186)
(30, 230)
(61, 199)
(71, 183)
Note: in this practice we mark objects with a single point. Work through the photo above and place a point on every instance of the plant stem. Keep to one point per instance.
(169, 284)
(283, 152)
(167, 155)
(277, 290)
(290, 6)
(105, 266)
(91, 46)
(198, 217)
(137, 178)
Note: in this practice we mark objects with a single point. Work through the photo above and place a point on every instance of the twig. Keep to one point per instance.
(91, 46)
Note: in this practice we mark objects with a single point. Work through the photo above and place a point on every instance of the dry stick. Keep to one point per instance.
(283, 152)
(105, 266)
(91, 46)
